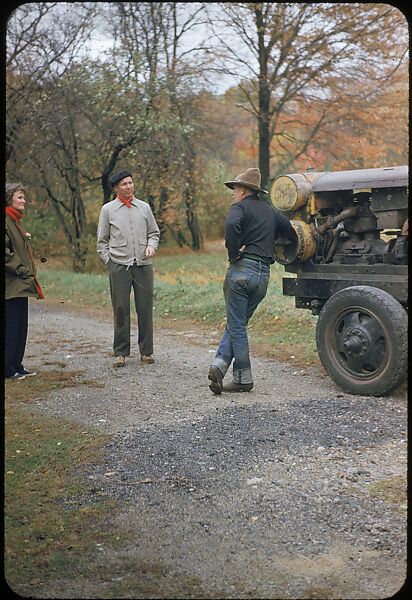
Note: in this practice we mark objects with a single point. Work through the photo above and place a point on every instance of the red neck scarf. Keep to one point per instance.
(13, 213)
(16, 215)
(127, 201)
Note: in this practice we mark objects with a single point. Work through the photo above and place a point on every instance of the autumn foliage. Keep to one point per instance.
(313, 85)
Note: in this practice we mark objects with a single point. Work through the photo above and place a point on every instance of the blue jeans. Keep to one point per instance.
(245, 286)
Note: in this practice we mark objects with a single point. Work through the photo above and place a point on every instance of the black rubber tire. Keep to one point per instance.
(362, 340)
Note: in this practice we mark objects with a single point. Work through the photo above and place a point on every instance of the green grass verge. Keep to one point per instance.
(188, 290)
(48, 506)
(392, 490)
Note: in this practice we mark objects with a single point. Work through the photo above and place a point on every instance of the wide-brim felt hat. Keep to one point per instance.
(251, 179)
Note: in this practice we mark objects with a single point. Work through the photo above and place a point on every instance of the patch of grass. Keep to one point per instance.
(57, 363)
(43, 455)
(188, 291)
(318, 593)
(151, 579)
(392, 490)
(34, 388)
(84, 289)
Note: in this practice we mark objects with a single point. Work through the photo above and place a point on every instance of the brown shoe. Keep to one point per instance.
(119, 361)
(147, 359)
(216, 379)
(237, 387)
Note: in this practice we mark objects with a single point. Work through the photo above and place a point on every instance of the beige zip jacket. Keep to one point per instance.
(123, 233)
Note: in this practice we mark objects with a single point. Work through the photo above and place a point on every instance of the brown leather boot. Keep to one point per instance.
(119, 361)
(147, 359)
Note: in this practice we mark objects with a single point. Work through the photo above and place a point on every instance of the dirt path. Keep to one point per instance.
(279, 493)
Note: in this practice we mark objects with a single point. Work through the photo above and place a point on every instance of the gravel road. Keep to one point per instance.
(268, 494)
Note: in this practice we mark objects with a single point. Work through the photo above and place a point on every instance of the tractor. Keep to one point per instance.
(349, 265)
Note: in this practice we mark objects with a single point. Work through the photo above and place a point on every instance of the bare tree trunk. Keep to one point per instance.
(107, 187)
(263, 101)
(192, 220)
(190, 196)
(162, 205)
(79, 254)
(178, 235)
(71, 214)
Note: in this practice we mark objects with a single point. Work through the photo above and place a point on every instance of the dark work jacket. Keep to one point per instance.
(255, 224)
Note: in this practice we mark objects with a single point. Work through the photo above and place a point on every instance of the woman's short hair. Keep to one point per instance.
(11, 188)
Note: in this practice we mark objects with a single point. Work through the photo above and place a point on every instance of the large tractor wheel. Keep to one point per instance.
(362, 340)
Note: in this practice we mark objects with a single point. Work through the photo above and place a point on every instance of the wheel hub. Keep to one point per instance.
(355, 342)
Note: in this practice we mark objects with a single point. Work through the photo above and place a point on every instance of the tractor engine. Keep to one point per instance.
(350, 258)
(339, 217)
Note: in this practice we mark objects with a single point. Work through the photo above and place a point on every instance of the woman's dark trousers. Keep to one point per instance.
(16, 321)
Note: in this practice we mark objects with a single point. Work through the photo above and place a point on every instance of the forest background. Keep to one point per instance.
(187, 95)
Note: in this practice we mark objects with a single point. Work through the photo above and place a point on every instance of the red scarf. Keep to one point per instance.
(127, 201)
(16, 215)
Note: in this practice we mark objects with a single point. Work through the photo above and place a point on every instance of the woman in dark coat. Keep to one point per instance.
(21, 283)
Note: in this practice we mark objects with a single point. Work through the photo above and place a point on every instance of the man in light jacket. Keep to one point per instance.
(127, 239)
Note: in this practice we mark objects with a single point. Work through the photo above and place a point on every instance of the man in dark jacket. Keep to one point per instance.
(251, 227)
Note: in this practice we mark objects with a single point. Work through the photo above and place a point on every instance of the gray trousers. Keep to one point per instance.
(122, 279)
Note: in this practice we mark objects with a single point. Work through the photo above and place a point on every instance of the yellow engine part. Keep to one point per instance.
(290, 192)
(301, 249)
